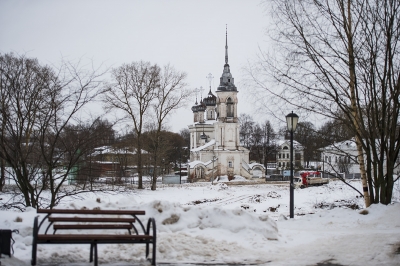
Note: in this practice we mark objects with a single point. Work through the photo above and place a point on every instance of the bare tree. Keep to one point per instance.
(38, 104)
(333, 131)
(246, 130)
(270, 147)
(132, 91)
(4, 109)
(185, 134)
(379, 75)
(306, 136)
(339, 57)
(172, 93)
(257, 141)
(85, 139)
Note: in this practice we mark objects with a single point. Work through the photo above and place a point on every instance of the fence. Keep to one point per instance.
(116, 181)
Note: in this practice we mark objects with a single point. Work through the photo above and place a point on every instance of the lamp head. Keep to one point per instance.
(291, 120)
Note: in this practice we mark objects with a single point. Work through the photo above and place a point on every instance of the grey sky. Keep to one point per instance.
(188, 34)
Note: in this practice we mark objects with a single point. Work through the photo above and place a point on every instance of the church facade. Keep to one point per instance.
(215, 148)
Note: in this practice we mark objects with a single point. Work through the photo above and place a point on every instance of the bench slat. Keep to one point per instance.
(91, 237)
(91, 226)
(91, 220)
(113, 212)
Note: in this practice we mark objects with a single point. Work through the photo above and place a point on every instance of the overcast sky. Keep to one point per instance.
(188, 34)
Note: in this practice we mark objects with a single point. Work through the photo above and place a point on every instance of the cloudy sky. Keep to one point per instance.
(188, 34)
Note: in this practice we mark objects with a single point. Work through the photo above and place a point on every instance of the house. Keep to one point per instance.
(342, 158)
(283, 155)
(117, 162)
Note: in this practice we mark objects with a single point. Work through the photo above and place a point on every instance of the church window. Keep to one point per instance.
(229, 110)
(211, 114)
(230, 164)
(229, 80)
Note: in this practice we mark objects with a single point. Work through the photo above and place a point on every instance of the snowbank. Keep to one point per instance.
(204, 223)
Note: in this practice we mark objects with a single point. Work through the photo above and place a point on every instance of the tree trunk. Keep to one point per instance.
(139, 160)
(3, 174)
(355, 112)
(154, 178)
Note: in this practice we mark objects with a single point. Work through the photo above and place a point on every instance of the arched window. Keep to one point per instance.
(211, 114)
(229, 107)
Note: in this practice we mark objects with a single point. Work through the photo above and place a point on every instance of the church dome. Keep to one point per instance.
(201, 107)
(194, 109)
(211, 99)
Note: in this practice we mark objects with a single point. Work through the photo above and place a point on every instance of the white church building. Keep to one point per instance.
(215, 148)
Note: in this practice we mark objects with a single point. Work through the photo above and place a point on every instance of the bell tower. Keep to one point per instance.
(227, 131)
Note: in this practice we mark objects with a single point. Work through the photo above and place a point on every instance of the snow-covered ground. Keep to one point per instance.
(222, 224)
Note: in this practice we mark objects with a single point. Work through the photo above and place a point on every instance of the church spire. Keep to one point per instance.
(226, 81)
(226, 45)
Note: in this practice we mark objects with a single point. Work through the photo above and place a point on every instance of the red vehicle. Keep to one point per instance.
(311, 178)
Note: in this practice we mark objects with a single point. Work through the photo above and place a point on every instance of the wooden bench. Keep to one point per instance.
(93, 227)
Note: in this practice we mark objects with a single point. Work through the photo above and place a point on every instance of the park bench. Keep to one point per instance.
(68, 226)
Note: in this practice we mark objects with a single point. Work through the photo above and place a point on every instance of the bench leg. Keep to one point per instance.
(34, 240)
(95, 255)
(91, 252)
(93, 249)
(151, 224)
(34, 250)
(153, 259)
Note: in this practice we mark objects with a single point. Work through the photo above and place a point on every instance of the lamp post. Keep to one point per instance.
(291, 120)
(180, 165)
(323, 165)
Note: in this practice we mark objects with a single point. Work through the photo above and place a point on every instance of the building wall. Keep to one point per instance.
(283, 155)
(227, 135)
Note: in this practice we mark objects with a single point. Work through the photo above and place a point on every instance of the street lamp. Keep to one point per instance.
(180, 165)
(291, 120)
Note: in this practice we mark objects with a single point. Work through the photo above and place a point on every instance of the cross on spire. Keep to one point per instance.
(201, 92)
(196, 90)
(210, 78)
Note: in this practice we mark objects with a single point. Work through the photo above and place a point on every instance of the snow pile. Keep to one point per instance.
(219, 186)
(244, 224)
(224, 178)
